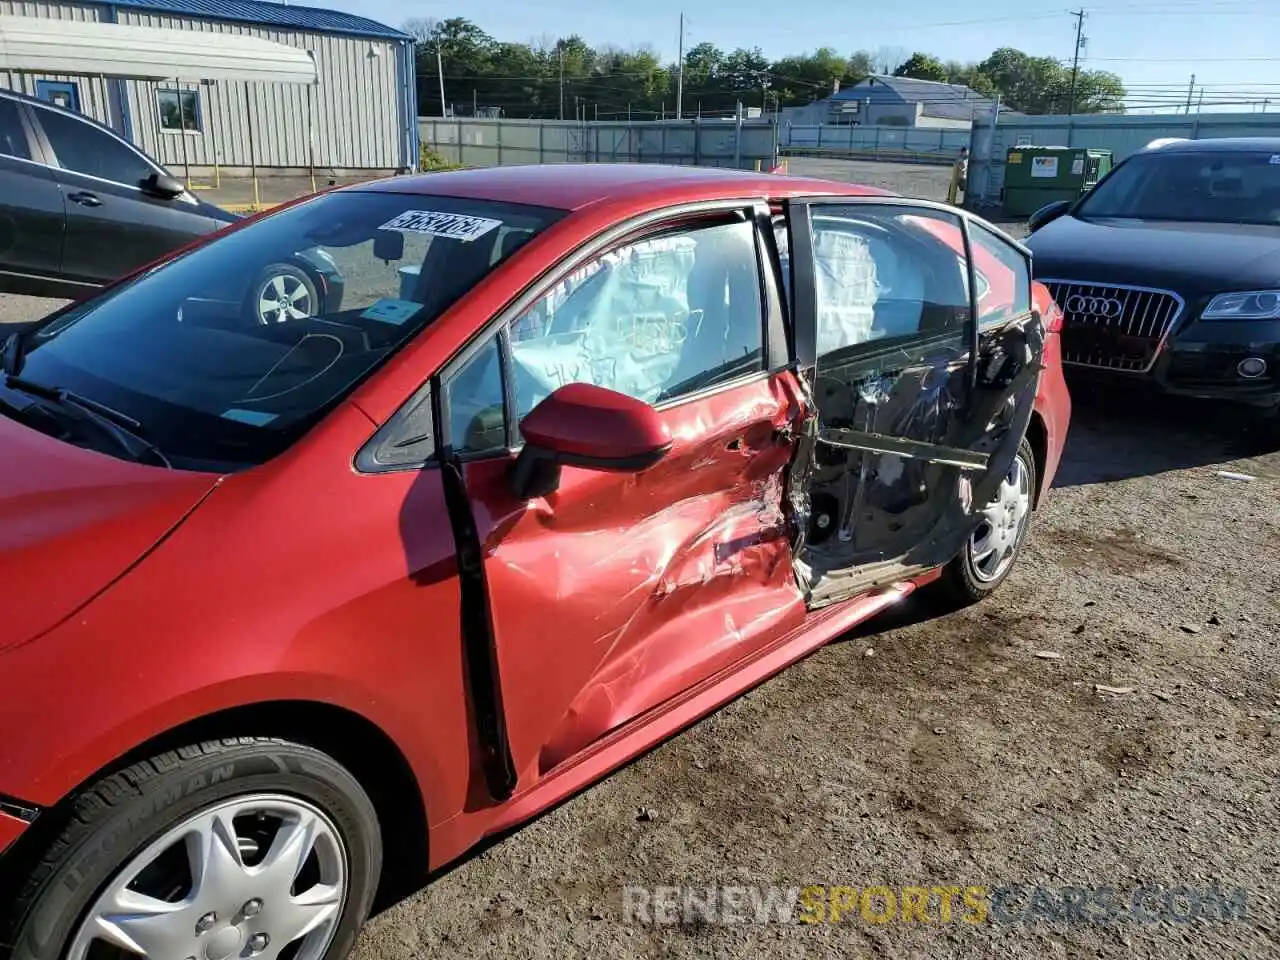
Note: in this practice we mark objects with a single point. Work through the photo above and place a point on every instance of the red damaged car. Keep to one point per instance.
(301, 602)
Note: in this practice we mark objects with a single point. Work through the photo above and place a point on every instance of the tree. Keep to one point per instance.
(885, 60)
(922, 66)
(1098, 91)
(747, 75)
(861, 65)
(1026, 83)
(528, 79)
(1043, 85)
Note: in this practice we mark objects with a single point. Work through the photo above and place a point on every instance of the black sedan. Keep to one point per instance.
(81, 206)
(1169, 269)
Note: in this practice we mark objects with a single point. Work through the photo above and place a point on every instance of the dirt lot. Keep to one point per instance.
(956, 754)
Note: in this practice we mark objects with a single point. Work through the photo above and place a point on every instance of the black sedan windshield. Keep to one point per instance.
(1208, 187)
(224, 356)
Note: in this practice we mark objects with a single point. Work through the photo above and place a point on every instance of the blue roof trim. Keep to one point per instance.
(266, 14)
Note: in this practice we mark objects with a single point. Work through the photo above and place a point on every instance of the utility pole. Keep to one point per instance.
(1191, 89)
(561, 46)
(444, 112)
(680, 74)
(1075, 60)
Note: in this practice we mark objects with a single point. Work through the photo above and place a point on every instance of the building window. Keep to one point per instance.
(179, 110)
(61, 93)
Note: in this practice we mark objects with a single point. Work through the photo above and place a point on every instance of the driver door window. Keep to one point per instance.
(886, 275)
(82, 148)
(657, 319)
(1003, 278)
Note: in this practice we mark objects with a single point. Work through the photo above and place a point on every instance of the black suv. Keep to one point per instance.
(1168, 271)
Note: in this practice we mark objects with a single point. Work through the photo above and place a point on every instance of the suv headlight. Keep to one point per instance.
(1248, 305)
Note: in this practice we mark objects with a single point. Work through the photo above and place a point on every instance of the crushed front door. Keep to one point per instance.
(924, 371)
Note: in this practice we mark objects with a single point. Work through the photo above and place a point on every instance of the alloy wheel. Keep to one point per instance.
(993, 545)
(255, 878)
(284, 297)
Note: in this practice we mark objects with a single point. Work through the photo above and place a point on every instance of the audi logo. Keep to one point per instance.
(1107, 307)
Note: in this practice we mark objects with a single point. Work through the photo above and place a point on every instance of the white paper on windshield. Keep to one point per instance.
(389, 310)
(1275, 158)
(255, 418)
(455, 226)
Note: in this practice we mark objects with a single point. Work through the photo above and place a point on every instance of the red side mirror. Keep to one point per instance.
(582, 425)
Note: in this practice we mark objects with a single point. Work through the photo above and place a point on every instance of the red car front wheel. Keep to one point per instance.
(231, 849)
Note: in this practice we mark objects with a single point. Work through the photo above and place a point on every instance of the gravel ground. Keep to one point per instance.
(971, 749)
(956, 755)
(14, 308)
(910, 179)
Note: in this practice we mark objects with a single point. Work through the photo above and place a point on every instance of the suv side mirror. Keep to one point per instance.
(1047, 214)
(162, 185)
(582, 425)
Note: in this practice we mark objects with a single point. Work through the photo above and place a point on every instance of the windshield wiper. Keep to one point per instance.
(123, 428)
(11, 354)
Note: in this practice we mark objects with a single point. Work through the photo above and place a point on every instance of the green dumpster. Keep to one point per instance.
(1034, 176)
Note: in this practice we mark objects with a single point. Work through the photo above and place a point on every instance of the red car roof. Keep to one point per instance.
(571, 186)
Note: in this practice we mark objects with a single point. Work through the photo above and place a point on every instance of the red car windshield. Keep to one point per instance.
(227, 354)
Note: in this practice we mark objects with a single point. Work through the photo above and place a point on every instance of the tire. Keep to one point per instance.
(291, 287)
(964, 581)
(113, 827)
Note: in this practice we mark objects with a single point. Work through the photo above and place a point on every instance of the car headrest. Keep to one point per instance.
(512, 241)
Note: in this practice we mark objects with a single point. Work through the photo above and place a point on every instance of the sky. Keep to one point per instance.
(1154, 45)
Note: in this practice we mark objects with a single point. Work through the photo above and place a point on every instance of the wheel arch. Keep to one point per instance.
(357, 743)
(1038, 437)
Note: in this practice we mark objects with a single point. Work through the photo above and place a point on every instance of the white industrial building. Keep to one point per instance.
(170, 75)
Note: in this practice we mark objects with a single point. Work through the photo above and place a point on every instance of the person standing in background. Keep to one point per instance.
(959, 178)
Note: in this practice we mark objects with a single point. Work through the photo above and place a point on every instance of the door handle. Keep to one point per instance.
(85, 198)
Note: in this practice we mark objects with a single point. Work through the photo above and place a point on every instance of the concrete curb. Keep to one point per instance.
(247, 207)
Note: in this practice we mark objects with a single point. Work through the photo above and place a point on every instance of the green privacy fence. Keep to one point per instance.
(479, 142)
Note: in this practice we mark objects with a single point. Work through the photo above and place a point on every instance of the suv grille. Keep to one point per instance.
(1116, 327)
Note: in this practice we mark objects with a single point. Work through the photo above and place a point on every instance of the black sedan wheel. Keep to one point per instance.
(283, 292)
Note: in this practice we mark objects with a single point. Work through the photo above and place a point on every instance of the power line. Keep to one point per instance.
(1182, 59)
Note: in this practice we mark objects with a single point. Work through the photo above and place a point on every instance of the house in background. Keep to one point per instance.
(883, 100)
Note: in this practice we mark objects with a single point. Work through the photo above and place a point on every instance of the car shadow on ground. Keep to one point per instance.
(1120, 433)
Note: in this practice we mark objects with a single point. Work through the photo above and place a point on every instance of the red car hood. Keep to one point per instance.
(72, 521)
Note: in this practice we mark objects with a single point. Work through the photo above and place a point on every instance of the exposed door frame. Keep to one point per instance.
(988, 390)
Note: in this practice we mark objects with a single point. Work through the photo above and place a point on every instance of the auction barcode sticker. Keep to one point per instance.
(456, 226)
